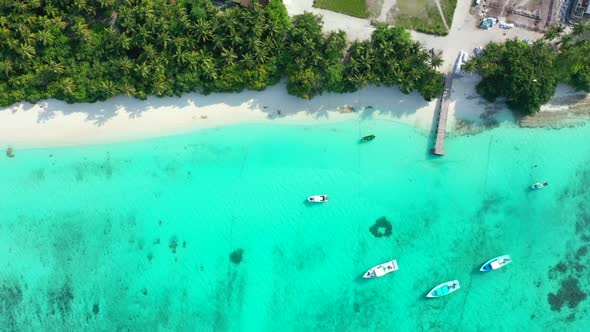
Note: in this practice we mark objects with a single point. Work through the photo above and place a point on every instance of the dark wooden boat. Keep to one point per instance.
(368, 138)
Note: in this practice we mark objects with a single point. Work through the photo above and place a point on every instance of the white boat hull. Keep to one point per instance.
(381, 270)
(317, 199)
(496, 263)
(444, 289)
(539, 185)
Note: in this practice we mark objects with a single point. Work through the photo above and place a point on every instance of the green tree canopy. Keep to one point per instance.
(574, 57)
(89, 50)
(524, 74)
(527, 74)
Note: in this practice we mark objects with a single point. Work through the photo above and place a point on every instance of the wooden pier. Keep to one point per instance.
(441, 126)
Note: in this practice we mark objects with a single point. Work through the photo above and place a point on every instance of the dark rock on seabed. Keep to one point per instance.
(173, 244)
(236, 256)
(569, 293)
(381, 227)
(61, 299)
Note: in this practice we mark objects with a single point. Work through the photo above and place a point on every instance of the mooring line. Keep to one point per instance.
(485, 183)
(465, 302)
(233, 210)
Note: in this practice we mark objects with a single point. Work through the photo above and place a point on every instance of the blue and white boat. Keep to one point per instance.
(444, 289)
(496, 263)
(539, 185)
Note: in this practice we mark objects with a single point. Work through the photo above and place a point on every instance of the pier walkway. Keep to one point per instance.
(441, 125)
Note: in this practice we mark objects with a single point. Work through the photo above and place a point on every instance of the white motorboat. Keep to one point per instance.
(496, 263)
(381, 269)
(444, 289)
(540, 185)
(318, 198)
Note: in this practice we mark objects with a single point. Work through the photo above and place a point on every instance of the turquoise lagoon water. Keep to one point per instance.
(138, 236)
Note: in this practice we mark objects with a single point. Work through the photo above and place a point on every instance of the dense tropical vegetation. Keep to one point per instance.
(390, 58)
(88, 50)
(526, 74)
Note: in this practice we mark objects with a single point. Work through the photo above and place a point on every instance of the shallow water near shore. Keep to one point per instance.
(138, 236)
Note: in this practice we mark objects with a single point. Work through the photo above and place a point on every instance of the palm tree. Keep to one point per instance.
(68, 86)
(203, 30)
(128, 89)
(249, 60)
(45, 37)
(26, 51)
(160, 87)
(228, 56)
(192, 60)
(57, 68)
(125, 65)
(143, 69)
(553, 32)
(579, 28)
(436, 61)
(207, 65)
(218, 42)
(108, 88)
(51, 10)
(149, 51)
(181, 57)
(106, 3)
(7, 67)
(125, 42)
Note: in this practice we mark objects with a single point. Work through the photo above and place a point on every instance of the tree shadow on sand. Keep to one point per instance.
(273, 101)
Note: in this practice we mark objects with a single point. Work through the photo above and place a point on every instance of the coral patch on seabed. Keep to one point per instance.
(236, 256)
(381, 227)
(11, 296)
(60, 299)
(95, 309)
(173, 244)
(569, 293)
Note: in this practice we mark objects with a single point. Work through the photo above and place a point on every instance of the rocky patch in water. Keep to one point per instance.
(582, 251)
(569, 294)
(381, 228)
(236, 256)
(557, 270)
(173, 244)
(95, 308)
(60, 300)
(11, 296)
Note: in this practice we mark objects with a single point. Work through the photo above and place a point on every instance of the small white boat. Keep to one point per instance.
(381, 269)
(318, 198)
(445, 288)
(496, 263)
(540, 185)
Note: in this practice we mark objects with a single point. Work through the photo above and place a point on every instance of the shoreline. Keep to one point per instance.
(56, 123)
(53, 123)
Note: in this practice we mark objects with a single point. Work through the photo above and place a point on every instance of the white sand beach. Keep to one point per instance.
(52, 122)
(55, 123)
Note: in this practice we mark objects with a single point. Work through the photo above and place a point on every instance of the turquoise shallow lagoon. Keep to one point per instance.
(138, 236)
